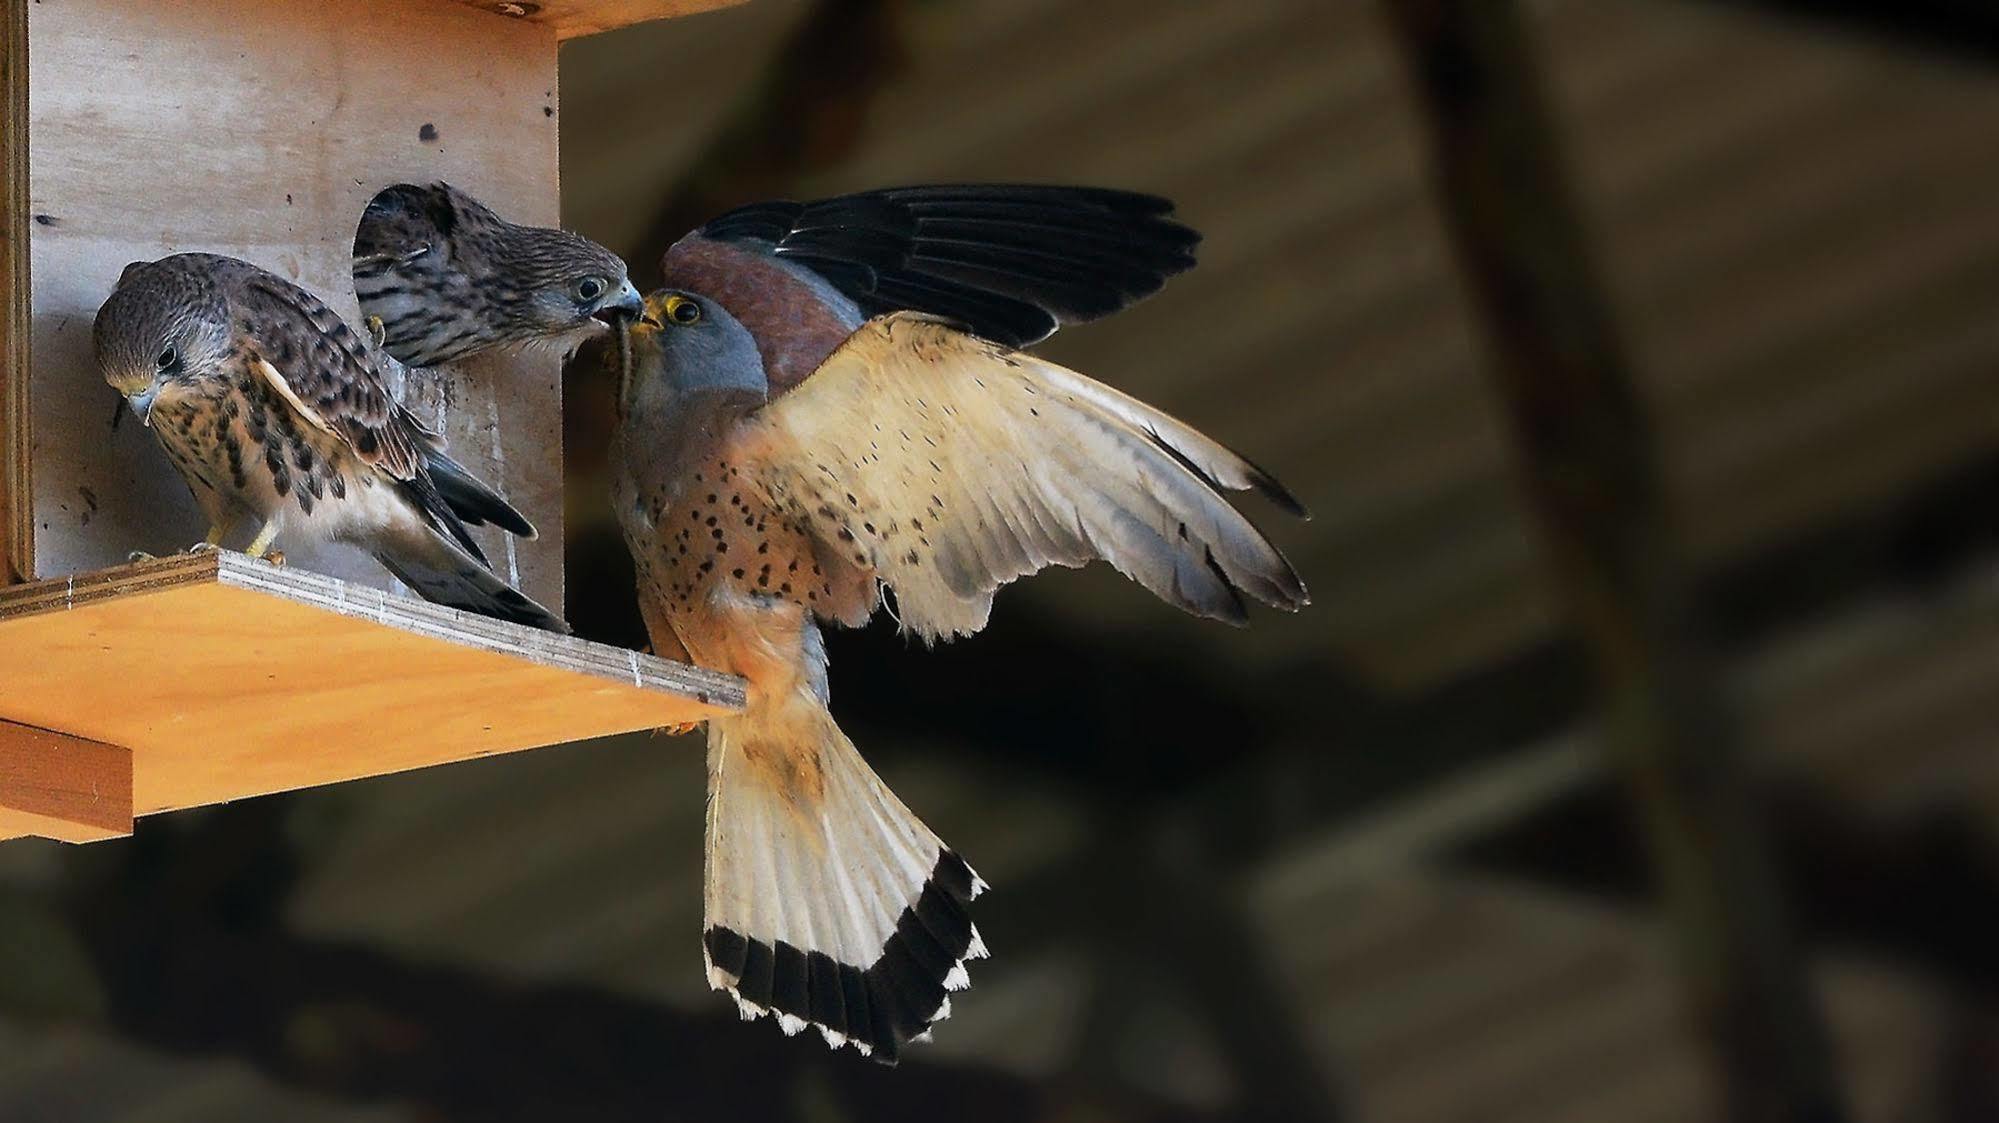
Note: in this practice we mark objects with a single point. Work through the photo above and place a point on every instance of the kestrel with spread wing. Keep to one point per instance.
(830, 400)
(270, 406)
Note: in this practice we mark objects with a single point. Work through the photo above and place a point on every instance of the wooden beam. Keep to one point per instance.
(1589, 470)
(17, 542)
(229, 678)
(53, 785)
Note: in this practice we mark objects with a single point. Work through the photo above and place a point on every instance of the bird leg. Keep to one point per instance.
(260, 547)
(212, 543)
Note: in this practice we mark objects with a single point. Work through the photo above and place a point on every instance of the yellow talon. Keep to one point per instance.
(261, 546)
(378, 331)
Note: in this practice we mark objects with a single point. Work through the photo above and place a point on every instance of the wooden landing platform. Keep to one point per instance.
(187, 681)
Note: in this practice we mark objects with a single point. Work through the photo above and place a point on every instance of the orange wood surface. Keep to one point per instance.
(62, 787)
(228, 678)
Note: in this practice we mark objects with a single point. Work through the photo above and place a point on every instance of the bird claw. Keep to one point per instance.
(203, 548)
(275, 557)
(378, 331)
(140, 556)
(676, 729)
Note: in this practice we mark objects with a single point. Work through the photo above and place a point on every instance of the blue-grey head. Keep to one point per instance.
(165, 330)
(687, 345)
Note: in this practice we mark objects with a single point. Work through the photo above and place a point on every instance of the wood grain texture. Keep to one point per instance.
(53, 785)
(571, 18)
(16, 516)
(230, 678)
(261, 131)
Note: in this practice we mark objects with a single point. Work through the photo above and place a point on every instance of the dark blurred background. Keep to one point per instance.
(1636, 760)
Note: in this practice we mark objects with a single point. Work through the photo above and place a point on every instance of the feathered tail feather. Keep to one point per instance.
(440, 570)
(828, 903)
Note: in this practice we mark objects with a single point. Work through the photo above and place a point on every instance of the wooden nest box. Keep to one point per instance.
(132, 129)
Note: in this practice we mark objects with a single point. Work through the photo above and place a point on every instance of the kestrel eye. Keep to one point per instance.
(683, 311)
(589, 288)
(167, 358)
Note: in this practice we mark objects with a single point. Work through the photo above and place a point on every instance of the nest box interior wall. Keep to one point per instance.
(261, 130)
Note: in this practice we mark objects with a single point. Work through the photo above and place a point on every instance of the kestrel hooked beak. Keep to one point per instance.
(625, 304)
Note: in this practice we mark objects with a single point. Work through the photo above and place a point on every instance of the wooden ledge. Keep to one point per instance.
(225, 677)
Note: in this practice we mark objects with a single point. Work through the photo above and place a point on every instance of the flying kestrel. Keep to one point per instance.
(828, 400)
(271, 407)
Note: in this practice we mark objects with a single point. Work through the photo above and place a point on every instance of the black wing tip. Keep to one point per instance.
(521, 609)
(1014, 260)
(471, 500)
(877, 1009)
(428, 498)
(1273, 489)
(504, 515)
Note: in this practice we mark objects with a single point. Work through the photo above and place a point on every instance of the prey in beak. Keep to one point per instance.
(620, 307)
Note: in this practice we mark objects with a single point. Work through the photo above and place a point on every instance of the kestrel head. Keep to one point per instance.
(685, 342)
(448, 278)
(164, 330)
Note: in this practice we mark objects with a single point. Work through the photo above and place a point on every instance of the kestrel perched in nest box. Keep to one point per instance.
(271, 406)
(829, 400)
(442, 277)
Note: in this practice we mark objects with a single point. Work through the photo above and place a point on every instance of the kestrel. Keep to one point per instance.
(829, 401)
(270, 406)
(445, 278)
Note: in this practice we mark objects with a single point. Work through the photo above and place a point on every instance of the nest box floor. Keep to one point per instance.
(216, 677)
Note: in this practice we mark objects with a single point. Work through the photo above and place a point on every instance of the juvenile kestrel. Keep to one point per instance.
(828, 401)
(446, 278)
(270, 406)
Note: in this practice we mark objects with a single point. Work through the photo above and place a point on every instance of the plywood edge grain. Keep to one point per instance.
(573, 18)
(421, 618)
(53, 785)
(16, 497)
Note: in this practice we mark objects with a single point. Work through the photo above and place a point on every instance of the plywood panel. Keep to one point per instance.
(261, 130)
(16, 524)
(53, 785)
(229, 678)
(571, 18)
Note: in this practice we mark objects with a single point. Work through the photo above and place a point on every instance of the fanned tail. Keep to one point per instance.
(828, 903)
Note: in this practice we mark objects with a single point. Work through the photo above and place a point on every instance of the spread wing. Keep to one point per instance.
(948, 466)
(1011, 262)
